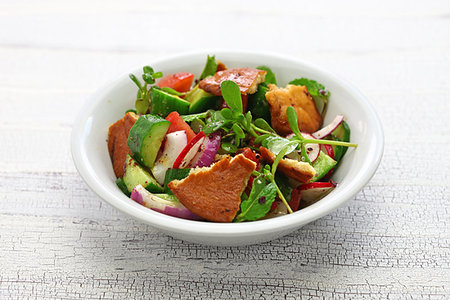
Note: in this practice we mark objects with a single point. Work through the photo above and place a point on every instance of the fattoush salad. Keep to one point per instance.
(229, 146)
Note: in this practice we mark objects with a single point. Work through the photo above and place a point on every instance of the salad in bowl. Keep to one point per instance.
(232, 145)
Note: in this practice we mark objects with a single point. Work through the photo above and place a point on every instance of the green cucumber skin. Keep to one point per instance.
(341, 133)
(122, 186)
(135, 174)
(145, 138)
(258, 105)
(163, 103)
(323, 164)
(201, 101)
(173, 174)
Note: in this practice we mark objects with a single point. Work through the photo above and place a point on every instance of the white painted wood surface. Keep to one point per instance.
(59, 240)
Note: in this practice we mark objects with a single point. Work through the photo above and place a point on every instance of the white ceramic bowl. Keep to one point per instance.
(90, 154)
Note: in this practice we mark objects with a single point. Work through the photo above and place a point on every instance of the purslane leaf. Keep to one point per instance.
(232, 95)
(293, 121)
(259, 201)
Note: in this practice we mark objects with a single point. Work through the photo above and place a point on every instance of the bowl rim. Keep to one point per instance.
(200, 228)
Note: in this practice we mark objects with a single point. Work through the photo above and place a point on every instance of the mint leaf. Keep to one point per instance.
(270, 76)
(314, 88)
(210, 68)
(276, 144)
(259, 201)
(232, 95)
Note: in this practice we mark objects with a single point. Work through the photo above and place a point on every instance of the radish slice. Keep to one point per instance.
(327, 130)
(189, 151)
(314, 191)
(208, 152)
(171, 207)
(174, 144)
(312, 150)
(328, 149)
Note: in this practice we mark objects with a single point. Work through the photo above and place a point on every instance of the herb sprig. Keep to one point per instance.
(143, 95)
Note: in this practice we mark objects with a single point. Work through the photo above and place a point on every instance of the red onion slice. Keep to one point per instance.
(171, 208)
(327, 130)
(208, 152)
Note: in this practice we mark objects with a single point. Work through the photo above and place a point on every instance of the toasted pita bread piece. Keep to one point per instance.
(246, 78)
(297, 96)
(117, 142)
(214, 193)
(298, 170)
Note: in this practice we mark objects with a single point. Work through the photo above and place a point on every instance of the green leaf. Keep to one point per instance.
(232, 95)
(157, 75)
(270, 76)
(261, 138)
(148, 69)
(148, 78)
(238, 131)
(136, 81)
(259, 201)
(214, 126)
(283, 184)
(227, 113)
(261, 123)
(293, 121)
(281, 154)
(210, 68)
(228, 147)
(276, 144)
(190, 118)
(314, 88)
(248, 120)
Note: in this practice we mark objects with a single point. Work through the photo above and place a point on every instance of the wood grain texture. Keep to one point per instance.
(59, 240)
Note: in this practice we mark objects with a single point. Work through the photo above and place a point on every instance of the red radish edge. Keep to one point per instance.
(188, 153)
(328, 149)
(316, 185)
(327, 130)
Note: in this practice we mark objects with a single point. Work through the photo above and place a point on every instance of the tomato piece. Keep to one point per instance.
(177, 124)
(181, 82)
(253, 156)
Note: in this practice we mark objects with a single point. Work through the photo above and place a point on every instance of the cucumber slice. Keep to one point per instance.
(163, 103)
(323, 164)
(173, 174)
(201, 101)
(257, 104)
(341, 133)
(135, 174)
(145, 138)
(122, 186)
